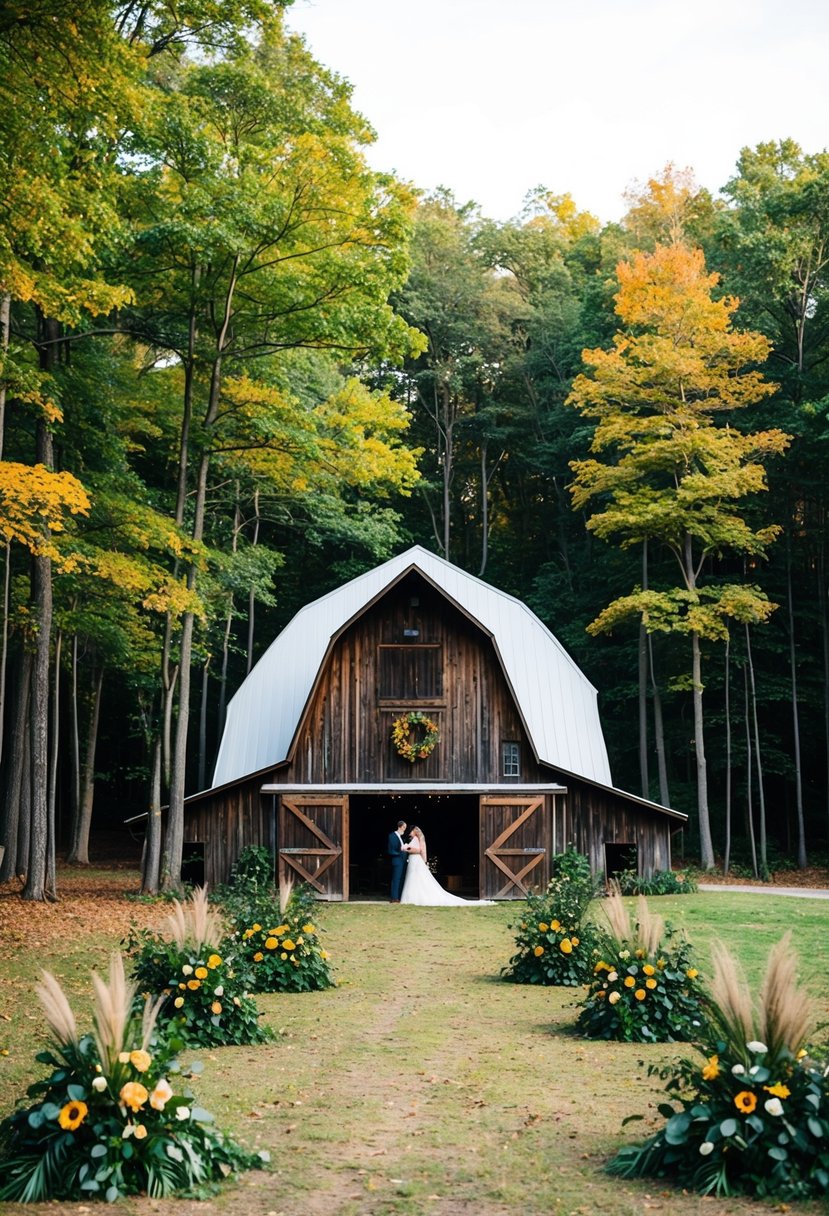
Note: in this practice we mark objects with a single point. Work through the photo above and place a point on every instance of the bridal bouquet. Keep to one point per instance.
(112, 1118)
(749, 1115)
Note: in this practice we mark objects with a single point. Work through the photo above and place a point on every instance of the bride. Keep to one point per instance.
(421, 887)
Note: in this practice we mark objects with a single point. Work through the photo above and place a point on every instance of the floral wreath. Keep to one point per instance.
(408, 745)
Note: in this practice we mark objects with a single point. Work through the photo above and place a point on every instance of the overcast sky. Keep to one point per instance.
(494, 97)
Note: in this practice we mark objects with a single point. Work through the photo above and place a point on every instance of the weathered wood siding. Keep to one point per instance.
(228, 822)
(591, 818)
(375, 673)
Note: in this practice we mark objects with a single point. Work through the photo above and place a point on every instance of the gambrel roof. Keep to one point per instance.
(556, 701)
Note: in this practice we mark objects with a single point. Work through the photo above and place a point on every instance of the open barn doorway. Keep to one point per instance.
(449, 823)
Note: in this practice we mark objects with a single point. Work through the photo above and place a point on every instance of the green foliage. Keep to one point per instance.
(639, 997)
(206, 999)
(99, 1129)
(554, 943)
(250, 890)
(661, 882)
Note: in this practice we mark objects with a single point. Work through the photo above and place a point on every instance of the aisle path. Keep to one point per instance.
(767, 889)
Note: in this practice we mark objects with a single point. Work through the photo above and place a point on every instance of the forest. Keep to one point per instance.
(238, 366)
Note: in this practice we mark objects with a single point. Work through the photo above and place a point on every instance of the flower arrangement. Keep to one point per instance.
(414, 736)
(644, 988)
(108, 1122)
(753, 1118)
(288, 956)
(555, 944)
(205, 997)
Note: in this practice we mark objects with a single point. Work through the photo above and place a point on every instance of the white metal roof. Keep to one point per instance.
(557, 702)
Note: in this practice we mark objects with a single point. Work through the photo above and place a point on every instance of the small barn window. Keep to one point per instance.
(411, 673)
(511, 759)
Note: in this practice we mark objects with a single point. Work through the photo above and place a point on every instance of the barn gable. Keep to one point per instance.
(557, 702)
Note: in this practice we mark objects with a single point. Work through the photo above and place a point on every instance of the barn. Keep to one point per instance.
(506, 763)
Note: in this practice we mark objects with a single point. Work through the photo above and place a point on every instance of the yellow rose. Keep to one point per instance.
(323, 954)
(216, 1007)
(214, 961)
(288, 945)
(308, 929)
(257, 928)
(271, 943)
(133, 1095)
(640, 994)
(194, 985)
(574, 940)
(140, 1060)
(601, 992)
(542, 928)
(201, 973)
(283, 956)
(565, 946)
(650, 983)
(555, 925)
(629, 981)
(258, 956)
(178, 1002)
(139, 1131)
(538, 951)
(648, 969)
(692, 973)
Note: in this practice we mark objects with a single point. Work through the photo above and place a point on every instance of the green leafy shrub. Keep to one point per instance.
(661, 882)
(754, 1117)
(555, 944)
(107, 1121)
(250, 888)
(205, 994)
(644, 988)
(286, 955)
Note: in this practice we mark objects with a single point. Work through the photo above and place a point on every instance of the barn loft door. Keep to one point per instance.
(313, 843)
(515, 845)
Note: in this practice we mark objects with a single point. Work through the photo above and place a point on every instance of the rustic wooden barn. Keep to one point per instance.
(307, 765)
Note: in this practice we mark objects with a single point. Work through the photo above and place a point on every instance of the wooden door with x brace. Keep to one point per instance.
(515, 845)
(313, 843)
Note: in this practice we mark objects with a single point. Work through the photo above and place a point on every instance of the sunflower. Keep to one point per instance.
(745, 1101)
(72, 1115)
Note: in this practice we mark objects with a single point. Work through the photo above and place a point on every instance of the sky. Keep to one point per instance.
(492, 98)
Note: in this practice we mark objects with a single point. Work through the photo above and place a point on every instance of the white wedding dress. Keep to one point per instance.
(422, 888)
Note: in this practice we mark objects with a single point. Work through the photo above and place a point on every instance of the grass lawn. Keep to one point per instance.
(421, 1084)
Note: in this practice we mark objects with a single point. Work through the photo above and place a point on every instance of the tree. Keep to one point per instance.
(676, 470)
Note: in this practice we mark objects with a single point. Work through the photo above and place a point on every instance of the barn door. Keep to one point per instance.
(313, 843)
(515, 845)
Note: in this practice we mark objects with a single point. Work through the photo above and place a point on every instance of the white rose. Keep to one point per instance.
(757, 1046)
(613, 976)
(182, 1113)
(705, 1148)
(127, 1132)
(220, 991)
(99, 1084)
(774, 1106)
(737, 1070)
(187, 969)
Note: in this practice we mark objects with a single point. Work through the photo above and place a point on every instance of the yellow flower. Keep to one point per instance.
(745, 1101)
(178, 1002)
(201, 973)
(629, 981)
(184, 986)
(141, 1060)
(648, 969)
(692, 973)
(601, 992)
(600, 967)
(247, 933)
(542, 927)
(712, 1069)
(123, 1057)
(640, 994)
(288, 945)
(214, 961)
(236, 1001)
(640, 953)
(574, 940)
(323, 954)
(133, 1095)
(556, 925)
(258, 956)
(161, 1095)
(271, 943)
(139, 1131)
(538, 951)
(614, 997)
(194, 985)
(283, 956)
(72, 1115)
(650, 982)
(281, 929)
(257, 928)
(565, 946)
(779, 1090)
(216, 1007)
(308, 929)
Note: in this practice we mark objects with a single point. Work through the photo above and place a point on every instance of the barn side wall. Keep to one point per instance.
(595, 817)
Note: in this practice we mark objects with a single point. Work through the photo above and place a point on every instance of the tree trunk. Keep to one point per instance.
(802, 859)
(150, 873)
(749, 797)
(51, 868)
(823, 599)
(644, 776)
(761, 793)
(5, 333)
(76, 739)
(205, 680)
(79, 852)
(727, 696)
(251, 595)
(24, 831)
(658, 731)
(4, 653)
(12, 862)
(706, 847)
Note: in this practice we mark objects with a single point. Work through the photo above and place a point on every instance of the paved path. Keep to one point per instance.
(767, 889)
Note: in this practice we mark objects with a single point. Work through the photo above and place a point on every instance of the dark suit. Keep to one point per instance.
(398, 865)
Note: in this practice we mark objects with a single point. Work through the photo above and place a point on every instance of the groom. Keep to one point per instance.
(398, 861)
